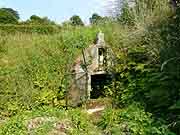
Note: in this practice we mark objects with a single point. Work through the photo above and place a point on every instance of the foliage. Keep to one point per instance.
(131, 120)
(147, 67)
(67, 25)
(126, 16)
(13, 12)
(141, 12)
(7, 17)
(78, 123)
(33, 67)
(36, 20)
(76, 21)
(95, 19)
(40, 29)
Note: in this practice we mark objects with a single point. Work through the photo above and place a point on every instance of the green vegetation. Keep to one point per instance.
(33, 67)
(7, 17)
(13, 12)
(39, 29)
(36, 20)
(76, 21)
(146, 90)
(50, 121)
(95, 19)
(131, 120)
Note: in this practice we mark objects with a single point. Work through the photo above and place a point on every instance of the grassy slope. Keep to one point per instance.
(32, 67)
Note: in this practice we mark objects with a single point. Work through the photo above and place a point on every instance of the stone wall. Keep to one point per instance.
(94, 60)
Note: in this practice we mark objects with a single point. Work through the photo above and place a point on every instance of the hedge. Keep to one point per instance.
(41, 29)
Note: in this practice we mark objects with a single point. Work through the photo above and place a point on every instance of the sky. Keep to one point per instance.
(57, 10)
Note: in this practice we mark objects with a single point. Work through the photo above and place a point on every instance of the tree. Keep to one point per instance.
(76, 21)
(34, 19)
(139, 11)
(13, 12)
(7, 18)
(126, 16)
(95, 19)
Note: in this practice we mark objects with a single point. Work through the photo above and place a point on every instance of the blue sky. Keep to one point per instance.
(57, 10)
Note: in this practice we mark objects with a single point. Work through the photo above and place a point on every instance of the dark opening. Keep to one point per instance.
(101, 51)
(98, 82)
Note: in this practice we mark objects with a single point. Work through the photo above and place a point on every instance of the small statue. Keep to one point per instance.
(100, 39)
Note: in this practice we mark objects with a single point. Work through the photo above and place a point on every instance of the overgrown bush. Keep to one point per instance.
(131, 120)
(148, 62)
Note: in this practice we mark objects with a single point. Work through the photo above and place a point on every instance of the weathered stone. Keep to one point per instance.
(38, 121)
(96, 59)
(61, 128)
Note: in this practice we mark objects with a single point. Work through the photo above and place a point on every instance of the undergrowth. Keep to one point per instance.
(47, 121)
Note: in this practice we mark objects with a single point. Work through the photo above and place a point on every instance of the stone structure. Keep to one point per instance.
(97, 59)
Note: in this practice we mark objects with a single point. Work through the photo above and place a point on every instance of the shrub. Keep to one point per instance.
(7, 17)
(131, 120)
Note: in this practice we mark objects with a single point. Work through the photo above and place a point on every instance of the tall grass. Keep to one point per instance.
(33, 66)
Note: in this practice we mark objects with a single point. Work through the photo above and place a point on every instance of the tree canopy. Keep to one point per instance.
(13, 12)
(95, 18)
(76, 21)
(8, 16)
(34, 19)
(126, 16)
